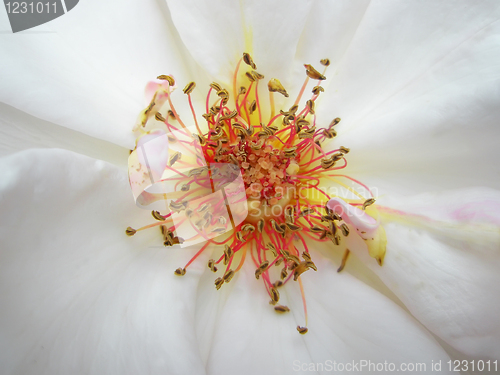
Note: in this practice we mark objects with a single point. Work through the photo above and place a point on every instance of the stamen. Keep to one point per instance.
(167, 78)
(159, 117)
(325, 62)
(180, 271)
(157, 216)
(281, 308)
(344, 260)
(248, 60)
(302, 330)
(281, 168)
(313, 73)
(130, 231)
(189, 88)
(368, 202)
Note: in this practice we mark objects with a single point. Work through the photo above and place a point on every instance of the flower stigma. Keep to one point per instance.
(250, 180)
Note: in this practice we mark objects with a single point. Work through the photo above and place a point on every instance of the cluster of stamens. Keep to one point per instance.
(281, 161)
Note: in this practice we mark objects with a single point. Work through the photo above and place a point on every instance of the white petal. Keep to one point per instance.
(442, 261)
(437, 130)
(87, 69)
(218, 32)
(398, 49)
(78, 296)
(348, 321)
(329, 31)
(20, 131)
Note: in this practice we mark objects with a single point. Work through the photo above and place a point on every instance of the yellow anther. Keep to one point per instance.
(325, 62)
(169, 79)
(248, 60)
(313, 73)
(302, 330)
(274, 85)
(180, 271)
(189, 88)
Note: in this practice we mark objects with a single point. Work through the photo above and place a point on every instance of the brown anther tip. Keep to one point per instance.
(302, 330)
(175, 157)
(218, 283)
(159, 117)
(311, 265)
(344, 150)
(130, 231)
(313, 73)
(248, 60)
(284, 273)
(258, 272)
(260, 225)
(211, 265)
(257, 75)
(180, 271)
(293, 227)
(317, 89)
(325, 62)
(253, 107)
(368, 202)
(310, 106)
(274, 85)
(228, 275)
(169, 79)
(281, 309)
(335, 121)
(263, 266)
(250, 76)
(189, 88)
(157, 216)
(275, 295)
(216, 86)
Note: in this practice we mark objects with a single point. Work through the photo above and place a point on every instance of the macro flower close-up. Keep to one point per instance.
(254, 187)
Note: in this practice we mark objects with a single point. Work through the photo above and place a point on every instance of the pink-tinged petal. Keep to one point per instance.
(443, 256)
(78, 295)
(159, 87)
(366, 226)
(154, 146)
